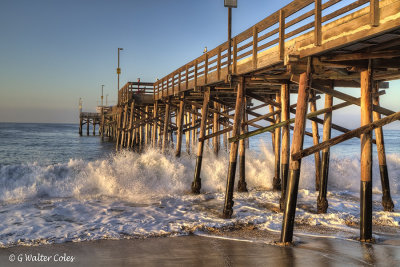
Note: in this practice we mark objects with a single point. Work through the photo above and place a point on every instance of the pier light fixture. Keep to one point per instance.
(102, 96)
(230, 3)
(118, 73)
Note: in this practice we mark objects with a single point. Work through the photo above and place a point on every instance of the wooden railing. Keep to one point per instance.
(289, 22)
(89, 114)
(129, 89)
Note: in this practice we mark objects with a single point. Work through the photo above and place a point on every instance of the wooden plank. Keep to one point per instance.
(317, 23)
(362, 56)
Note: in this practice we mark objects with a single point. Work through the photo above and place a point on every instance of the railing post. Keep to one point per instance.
(162, 87)
(374, 12)
(219, 64)
(173, 84)
(281, 34)
(317, 23)
(234, 55)
(205, 69)
(255, 46)
(195, 74)
(179, 81)
(187, 77)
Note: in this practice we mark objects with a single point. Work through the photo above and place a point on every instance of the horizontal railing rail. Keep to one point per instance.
(296, 18)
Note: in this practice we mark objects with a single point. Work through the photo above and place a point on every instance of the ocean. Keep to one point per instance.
(57, 187)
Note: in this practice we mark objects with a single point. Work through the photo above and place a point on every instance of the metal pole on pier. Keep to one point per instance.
(118, 73)
(230, 4)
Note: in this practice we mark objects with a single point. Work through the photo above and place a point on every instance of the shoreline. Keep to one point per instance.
(221, 248)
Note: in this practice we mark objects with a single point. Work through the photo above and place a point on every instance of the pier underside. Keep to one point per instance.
(355, 46)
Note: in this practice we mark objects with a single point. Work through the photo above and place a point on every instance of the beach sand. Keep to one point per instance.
(224, 248)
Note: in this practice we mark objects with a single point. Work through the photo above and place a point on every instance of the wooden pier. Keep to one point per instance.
(88, 118)
(354, 46)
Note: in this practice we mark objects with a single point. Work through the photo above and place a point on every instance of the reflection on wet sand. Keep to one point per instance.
(215, 251)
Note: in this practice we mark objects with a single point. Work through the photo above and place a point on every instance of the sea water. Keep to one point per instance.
(56, 186)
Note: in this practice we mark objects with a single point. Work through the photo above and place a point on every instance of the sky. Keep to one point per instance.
(53, 52)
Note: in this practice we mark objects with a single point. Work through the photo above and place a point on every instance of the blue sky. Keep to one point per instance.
(52, 52)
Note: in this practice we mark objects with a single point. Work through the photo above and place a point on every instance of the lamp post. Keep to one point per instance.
(118, 73)
(102, 90)
(230, 4)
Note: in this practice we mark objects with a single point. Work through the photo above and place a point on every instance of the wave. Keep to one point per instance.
(140, 177)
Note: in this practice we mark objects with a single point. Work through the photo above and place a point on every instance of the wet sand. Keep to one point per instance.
(215, 250)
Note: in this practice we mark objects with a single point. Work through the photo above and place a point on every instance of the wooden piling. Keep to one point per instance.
(285, 115)
(387, 201)
(130, 128)
(141, 135)
(187, 133)
(147, 127)
(102, 121)
(179, 122)
(226, 135)
(166, 124)
(80, 125)
(314, 125)
(230, 181)
(216, 128)
(118, 128)
(322, 202)
(194, 131)
(242, 185)
(297, 145)
(87, 126)
(366, 159)
(276, 182)
(196, 185)
(155, 125)
(271, 110)
(123, 131)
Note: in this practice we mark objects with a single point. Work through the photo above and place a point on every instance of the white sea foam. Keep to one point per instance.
(140, 195)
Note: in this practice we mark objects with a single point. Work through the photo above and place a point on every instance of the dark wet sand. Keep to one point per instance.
(212, 251)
